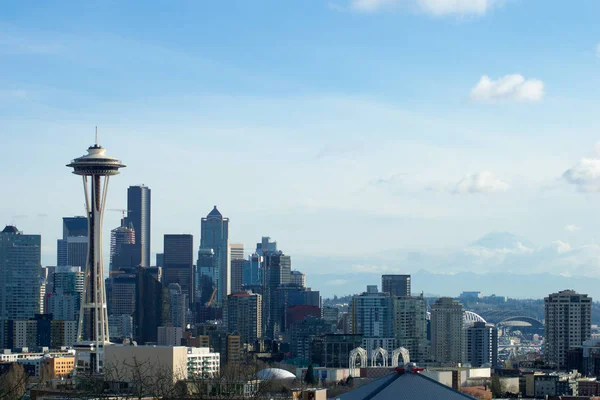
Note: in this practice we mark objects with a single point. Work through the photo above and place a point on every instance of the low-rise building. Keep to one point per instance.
(58, 367)
(169, 361)
(201, 362)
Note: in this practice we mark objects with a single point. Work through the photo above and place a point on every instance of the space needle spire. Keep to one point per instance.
(92, 328)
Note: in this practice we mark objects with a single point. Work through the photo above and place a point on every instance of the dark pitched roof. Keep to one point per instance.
(10, 229)
(404, 386)
(214, 213)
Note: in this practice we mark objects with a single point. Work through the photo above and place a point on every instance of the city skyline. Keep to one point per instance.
(430, 126)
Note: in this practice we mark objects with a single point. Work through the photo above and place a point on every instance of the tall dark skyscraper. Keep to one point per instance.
(396, 285)
(138, 214)
(179, 264)
(215, 236)
(151, 307)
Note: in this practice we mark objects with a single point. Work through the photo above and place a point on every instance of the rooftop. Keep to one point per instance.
(404, 386)
(10, 229)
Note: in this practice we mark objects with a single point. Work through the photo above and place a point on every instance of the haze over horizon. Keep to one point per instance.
(383, 135)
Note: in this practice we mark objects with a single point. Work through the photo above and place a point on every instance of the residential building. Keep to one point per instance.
(372, 314)
(139, 216)
(63, 334)
(242, 314)
(396, 285)
(446, 331)
(410, 325)
(20, 274)
(333, 351)
(178, 305)
(237, 272)
(169, 335)
(202, 362)
(302, 334)
(568, 322)
(481, 346)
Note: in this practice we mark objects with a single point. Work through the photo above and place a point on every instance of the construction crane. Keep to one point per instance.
(123, 211)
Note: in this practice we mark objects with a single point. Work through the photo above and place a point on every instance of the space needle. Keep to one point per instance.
(92, 328)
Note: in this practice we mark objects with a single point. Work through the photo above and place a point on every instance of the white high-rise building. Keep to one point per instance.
(568, 323)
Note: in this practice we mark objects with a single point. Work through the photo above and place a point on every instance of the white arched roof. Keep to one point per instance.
(470, 317)
(274, 373)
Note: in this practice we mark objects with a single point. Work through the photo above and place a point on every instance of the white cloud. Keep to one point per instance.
(585, 175)
(371, 5)
(483, 182)
(509, 87)
(572, 228)
(561, 247)
(432, 7)
(457, 7)
(487, 253)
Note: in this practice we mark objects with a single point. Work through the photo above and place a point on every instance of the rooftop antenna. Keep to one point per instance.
(96, 136)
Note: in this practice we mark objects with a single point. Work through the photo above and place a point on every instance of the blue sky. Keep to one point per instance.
(341, 127)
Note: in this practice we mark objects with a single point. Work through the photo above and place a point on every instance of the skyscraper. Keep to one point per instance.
(481, 344)
(92, 333)
(151, 307)
(179, 264)
(215, 235)
(410, 325)
(372, 317)
(123, 250)
(276, 272)
(72, 248)
(396, 285)
(242, 314)
(237, 273)
(138, 215)
(297, 278)
(20, 269)
(568, 323)
(65, 300)
(446, 331)
(178, 305)
(237, 251)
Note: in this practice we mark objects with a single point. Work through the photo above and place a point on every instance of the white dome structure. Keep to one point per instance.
(275, 374)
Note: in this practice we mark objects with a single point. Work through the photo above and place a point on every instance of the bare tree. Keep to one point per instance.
(13, 383)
